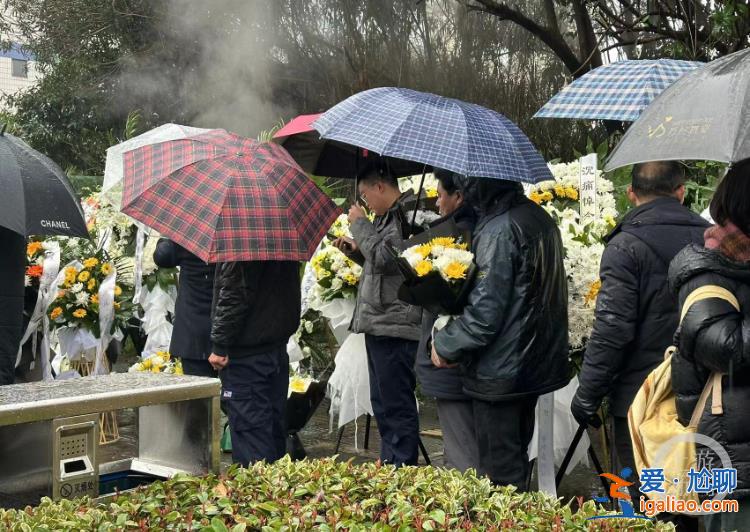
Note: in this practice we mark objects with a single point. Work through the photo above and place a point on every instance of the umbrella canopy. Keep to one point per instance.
(617, 91)
(36, 197)
(163, 133)
(227, 198)
(442, 132)
(704, 116)
(330, 158)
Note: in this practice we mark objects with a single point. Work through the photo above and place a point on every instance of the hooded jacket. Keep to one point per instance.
(512, 337)
(714, 336)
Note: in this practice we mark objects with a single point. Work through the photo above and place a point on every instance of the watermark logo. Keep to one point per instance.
(618, 491)
(679, 494)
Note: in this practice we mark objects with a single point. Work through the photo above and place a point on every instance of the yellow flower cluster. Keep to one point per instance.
(445, 255)
(160, 362)
(593, 292)
(32, 248)
(558, 191)
(299, 384)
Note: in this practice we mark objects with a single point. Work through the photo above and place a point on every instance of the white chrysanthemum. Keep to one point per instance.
(82, 299)
(76, 288)
(412, 256)
(337, 284)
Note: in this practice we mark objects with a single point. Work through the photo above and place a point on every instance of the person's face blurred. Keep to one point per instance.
(375, 196)
(447, 203)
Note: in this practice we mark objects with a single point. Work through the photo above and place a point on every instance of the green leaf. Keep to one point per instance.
(218, 525)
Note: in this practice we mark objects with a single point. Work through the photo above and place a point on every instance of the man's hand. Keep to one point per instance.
(345, 244)
(218, 362)
(355, 213)
(440, 362)
(585, 412)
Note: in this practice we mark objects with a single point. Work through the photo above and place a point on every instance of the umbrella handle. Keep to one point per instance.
(419, 194)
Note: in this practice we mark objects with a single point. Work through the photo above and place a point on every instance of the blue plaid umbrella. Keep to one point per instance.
(435, 131)
(617, 91)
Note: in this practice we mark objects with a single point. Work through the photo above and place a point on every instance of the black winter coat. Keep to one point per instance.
(191, 335)
(715, 337)
(636, 314)
(442, 383)
(256, 306)
(12, 270)
(512, 337)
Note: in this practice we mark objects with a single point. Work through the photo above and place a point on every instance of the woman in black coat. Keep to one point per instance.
(715, 337)
(191, 335)
(454, 408)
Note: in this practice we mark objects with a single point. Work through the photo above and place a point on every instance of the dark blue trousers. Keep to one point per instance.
(392, 382)
(254, 392)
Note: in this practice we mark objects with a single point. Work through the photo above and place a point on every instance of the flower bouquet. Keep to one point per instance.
(77, 301)
(438, 274)
(159, 362)
(34, 263)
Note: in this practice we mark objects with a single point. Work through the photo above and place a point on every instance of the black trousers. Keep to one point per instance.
(199, 368)
(254, 392)
(392, 383)
(503, 431)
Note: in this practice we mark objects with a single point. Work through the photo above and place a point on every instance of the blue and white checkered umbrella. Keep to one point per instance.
(617, 91)
(441, 132)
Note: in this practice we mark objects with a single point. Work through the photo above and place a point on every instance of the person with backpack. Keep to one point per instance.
(714, 337)
(636, 314)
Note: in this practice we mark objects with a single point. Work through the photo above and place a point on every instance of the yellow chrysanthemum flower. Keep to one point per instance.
(455, 270)
(571, 193)
(431, 192)
(424, 250)
(106, 268)
(56, 313)
(84, 276)
(559, 190)
(351, 279)
(423, 267)
(536, 197)
(94, 299)
(593, 292)
(155, 369)
(116, 305)
(90, 263)
(146, 363)
(32, 248)
(547, 196)
(118, 290)
(92, 284)
(79, 313)
(298, 384)
(445, 241)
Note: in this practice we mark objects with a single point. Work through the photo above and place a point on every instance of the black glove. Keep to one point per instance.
(585, 412)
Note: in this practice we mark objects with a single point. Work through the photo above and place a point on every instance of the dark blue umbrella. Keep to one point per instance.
(441, 132)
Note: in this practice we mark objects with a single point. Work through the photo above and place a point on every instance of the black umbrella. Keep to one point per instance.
(330, 158)
(36, 197)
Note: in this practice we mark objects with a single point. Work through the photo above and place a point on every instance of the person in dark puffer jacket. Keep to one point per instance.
(256, 309)
(715, 337)
(453, 405)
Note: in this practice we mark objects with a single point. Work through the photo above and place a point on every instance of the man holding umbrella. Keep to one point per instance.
(512, 337)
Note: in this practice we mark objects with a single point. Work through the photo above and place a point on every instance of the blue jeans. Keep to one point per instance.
(254, 392)
(392, 381)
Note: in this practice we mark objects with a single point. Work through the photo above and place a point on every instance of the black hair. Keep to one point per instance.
(657, 178)
(731, 201)
(447, 180)
(483, 192)
(377, 173)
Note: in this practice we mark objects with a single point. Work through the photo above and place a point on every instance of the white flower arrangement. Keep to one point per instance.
(583, 243)
(429, 188)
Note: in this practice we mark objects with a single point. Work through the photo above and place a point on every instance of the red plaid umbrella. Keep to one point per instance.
(227, 198)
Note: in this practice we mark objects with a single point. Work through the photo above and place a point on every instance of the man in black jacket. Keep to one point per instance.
(191, 334)
(636, 315)
(256, 308)
(512, 337)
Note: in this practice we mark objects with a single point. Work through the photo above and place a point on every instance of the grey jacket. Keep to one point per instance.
(378, 310)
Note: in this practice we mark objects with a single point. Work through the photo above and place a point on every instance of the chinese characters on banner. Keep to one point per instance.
(587, 189)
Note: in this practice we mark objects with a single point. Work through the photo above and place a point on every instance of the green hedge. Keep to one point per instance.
(320, 494)
(85, 184)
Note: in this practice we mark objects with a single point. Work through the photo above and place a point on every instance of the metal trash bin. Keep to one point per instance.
(49, 432)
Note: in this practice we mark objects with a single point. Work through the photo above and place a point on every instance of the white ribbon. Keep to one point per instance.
(140, 241)
(45, 297)
(157, 304)
(106, 318)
